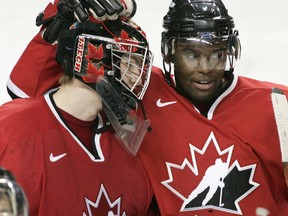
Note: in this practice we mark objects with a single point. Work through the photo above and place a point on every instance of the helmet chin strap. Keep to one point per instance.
(167, 73)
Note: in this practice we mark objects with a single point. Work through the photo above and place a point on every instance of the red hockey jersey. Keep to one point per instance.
(226, 164)
(59, 175)
(36, 72)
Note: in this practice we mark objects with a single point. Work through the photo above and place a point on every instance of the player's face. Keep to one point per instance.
(135, 66)
(131, 71)
(135, 73)
(199, 69)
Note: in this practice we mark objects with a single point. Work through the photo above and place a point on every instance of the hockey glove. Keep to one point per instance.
(58, 17)
(110, 9)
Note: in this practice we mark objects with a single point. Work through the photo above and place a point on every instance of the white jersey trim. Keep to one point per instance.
(221, 97)
(96, 138)
(15, 89)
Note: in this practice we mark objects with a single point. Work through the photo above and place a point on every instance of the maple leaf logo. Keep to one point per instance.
(103, 205)
(95, 52)
(125, 38)
(94, 66)
(216, 184)
(92, 73)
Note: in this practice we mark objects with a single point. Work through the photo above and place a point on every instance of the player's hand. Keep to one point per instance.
(58, 17)
(109, 9)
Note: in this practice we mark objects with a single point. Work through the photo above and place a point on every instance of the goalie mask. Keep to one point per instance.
(115, 49)
(200, 25)
(112, 57)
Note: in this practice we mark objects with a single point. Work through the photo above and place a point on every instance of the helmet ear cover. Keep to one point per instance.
(166, 48)
(234, 45)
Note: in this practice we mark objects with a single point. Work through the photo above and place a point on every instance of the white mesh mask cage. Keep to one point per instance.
(130, 62)
(134, 63)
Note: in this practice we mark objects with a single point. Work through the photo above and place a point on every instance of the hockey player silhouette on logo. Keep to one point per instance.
(213, 178)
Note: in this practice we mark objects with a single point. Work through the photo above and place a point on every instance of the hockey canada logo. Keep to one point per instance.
(219, 185)
(103, 205)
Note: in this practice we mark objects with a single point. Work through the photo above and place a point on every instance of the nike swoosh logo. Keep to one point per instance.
(163, 104)
(56, 158)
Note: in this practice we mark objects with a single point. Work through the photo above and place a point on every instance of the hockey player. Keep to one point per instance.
(57, 145)
(212, 115)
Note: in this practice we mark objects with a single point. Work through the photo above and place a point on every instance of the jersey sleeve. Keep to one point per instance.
(36, 71)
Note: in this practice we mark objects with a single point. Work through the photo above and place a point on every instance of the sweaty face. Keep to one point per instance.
(199, 68)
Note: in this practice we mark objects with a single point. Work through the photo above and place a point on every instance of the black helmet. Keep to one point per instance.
(92, 49)
(188, 17)
(199, 19)
(13, 200)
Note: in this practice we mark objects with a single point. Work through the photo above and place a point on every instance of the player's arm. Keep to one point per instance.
(36, 71)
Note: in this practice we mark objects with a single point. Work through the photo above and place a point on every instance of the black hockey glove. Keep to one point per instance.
(58, 17)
